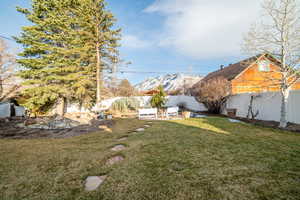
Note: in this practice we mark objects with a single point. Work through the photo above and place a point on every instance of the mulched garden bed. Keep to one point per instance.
(9, 129)
(272, 124)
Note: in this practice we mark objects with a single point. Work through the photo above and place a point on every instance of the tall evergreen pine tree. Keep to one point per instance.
(63, 56)
(100, 39)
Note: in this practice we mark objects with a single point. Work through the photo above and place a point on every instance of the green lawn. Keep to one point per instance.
(190, 159)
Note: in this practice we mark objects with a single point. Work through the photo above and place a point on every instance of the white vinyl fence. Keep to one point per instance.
(189, 101)
(267, 104)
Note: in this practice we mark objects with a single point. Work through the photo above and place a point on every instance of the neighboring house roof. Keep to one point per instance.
(233, 70)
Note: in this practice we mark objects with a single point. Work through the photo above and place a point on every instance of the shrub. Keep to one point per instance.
(125, 104)
(213, 93)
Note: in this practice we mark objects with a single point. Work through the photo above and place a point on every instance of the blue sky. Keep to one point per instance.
(192, 36)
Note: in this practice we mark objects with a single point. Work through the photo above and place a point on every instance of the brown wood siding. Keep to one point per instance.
(252, 80)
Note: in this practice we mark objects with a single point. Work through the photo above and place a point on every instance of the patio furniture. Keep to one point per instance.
(148, 113)
(172, 112)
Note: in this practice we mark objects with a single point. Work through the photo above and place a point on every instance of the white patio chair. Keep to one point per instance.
(148, 113)
(172, 112)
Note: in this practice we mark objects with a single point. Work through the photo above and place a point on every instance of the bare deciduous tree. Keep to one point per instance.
(278, 34)
(213, 93)
(125, 89)
(7, 62)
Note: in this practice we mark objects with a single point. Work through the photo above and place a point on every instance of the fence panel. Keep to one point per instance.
(268, 104)
(189, 101)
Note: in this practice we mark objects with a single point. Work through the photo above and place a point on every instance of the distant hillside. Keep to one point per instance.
(170, 82)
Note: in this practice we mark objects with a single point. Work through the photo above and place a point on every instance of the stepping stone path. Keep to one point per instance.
(114, 160)
(118, 147)
(122, 139)
(93, 182)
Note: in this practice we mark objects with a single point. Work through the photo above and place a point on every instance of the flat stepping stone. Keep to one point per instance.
(147, 126)
(234, 120)
(122, 138)
(140, 129)
(118, 147)
(149, 122)
(114, 160)
(93, 182)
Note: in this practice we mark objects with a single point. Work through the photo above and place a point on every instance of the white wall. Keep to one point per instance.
(268, 105)
(190, 102)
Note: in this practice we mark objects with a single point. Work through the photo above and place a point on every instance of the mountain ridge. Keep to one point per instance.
(170, 82)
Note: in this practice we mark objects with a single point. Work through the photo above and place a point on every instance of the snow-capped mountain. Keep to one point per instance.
(170, 82)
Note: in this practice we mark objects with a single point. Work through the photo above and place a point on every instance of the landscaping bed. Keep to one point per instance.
(271, 124)
(25, 128)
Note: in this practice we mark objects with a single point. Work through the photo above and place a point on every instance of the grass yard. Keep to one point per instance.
(208, 158)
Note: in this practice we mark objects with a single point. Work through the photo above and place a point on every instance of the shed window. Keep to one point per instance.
(264, 66)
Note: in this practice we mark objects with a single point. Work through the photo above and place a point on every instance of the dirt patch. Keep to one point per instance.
(12, 128)
(273, 124)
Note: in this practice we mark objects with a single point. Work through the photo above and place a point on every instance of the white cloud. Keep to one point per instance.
(205, 28)
(133, 42)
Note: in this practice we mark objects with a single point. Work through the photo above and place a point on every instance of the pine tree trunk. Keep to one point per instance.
(98, 74)
(61, 109)
(284, 101)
